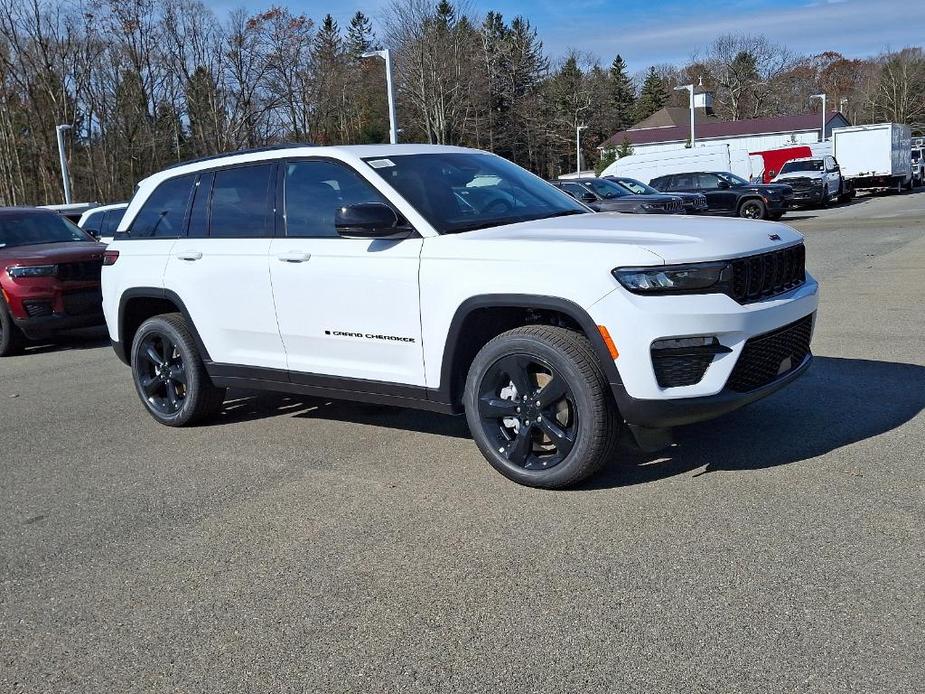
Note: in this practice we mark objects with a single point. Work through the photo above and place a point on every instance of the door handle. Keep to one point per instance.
(189, 255)
(294, 256)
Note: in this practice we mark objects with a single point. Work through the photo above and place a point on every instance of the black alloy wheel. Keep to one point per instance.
(162, 373)
(528, 411)
(752, 209)
(169, 374)
(540, 408)
(12, 340)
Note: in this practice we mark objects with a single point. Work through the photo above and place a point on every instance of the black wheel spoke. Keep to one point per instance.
(492, 407)
(515, 367)
(561, 438)
(149, 385)
(166, 350)
(552, 392)
(519, 449)
(178, 374)
(172, 400)
(152, 354)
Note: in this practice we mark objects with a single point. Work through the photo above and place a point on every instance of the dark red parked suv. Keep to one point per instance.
(49, 277)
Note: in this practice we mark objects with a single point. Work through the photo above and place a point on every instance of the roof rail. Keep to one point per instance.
(252, 150)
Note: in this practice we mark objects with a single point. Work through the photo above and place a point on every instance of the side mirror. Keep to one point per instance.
(369, 220)
(723, 185)
(588, 197)
(772, 173)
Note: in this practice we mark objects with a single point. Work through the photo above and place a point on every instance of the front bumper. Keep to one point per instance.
(662, 414)
(809, 196)
(46, 326)
(635, 322)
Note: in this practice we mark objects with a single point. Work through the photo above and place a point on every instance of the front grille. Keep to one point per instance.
(768, 274)
(83, 302)
(37, 309)
(676, 206)
(800, 185)
(674, 370)
(82, 271)
(768, 357)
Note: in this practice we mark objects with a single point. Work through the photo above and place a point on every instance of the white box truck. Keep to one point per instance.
(648, 165)
(874, 157)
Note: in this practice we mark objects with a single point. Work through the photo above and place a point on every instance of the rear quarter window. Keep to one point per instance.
(163, 214)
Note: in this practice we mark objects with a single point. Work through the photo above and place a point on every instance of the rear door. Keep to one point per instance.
(145, 245)
(347, 308)
(221, 269)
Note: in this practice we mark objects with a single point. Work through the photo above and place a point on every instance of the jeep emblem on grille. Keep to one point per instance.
(774, 237)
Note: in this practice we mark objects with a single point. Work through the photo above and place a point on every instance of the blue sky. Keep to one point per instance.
(650, 32)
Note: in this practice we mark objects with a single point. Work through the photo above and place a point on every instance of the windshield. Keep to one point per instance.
(808, 165)
(606, 189)
(732, 179)
(27, 228)
(637, 187)
(461, 191)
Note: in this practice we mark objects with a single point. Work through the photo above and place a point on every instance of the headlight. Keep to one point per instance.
(674, 279)
(18, 271)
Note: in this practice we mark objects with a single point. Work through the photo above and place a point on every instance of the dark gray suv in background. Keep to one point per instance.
(602, 195)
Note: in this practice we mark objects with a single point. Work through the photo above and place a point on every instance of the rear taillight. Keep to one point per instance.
(110, 257)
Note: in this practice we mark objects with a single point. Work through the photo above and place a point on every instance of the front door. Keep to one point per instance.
(719, 198)
(346, 308)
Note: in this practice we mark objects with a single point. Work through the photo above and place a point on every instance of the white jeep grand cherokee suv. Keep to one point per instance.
(452, 280)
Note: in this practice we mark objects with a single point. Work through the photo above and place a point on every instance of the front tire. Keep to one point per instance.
(753, 209)
(169, 375)
(539, 407)
(12, 341)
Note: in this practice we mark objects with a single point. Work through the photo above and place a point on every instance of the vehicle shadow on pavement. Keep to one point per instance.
(836, 403)
(88, 338)
(246, 405)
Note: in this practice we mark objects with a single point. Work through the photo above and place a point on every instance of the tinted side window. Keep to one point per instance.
(313, 192)
(242, 204)
(111, 222)
(164, 212)
(682, 182)
(661, 183)
(93, 223)
(575, 190)
(707, 182)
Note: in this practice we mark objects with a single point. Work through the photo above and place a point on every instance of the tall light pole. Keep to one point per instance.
(393, 121)
(689, 88)
(821, 96)
(578, 129)
(65, 174)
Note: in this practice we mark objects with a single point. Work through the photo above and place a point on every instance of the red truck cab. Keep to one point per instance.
(49, 277)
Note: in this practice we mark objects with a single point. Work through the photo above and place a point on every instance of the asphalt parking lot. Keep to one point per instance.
(302, 545)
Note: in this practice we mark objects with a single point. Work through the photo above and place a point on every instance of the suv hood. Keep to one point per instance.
(49, 253)
(673, 239)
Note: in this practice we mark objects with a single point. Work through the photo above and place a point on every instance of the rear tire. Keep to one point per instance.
(539, 407)
(753, 209)
(169, 375)
(12, 341)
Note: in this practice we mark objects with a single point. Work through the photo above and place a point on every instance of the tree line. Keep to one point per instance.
(146, 83)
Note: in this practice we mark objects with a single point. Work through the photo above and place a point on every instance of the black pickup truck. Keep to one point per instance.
(729, 194)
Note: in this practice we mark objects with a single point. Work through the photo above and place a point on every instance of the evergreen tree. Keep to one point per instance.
(654, 95)
(360, 37)
(622, 95)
